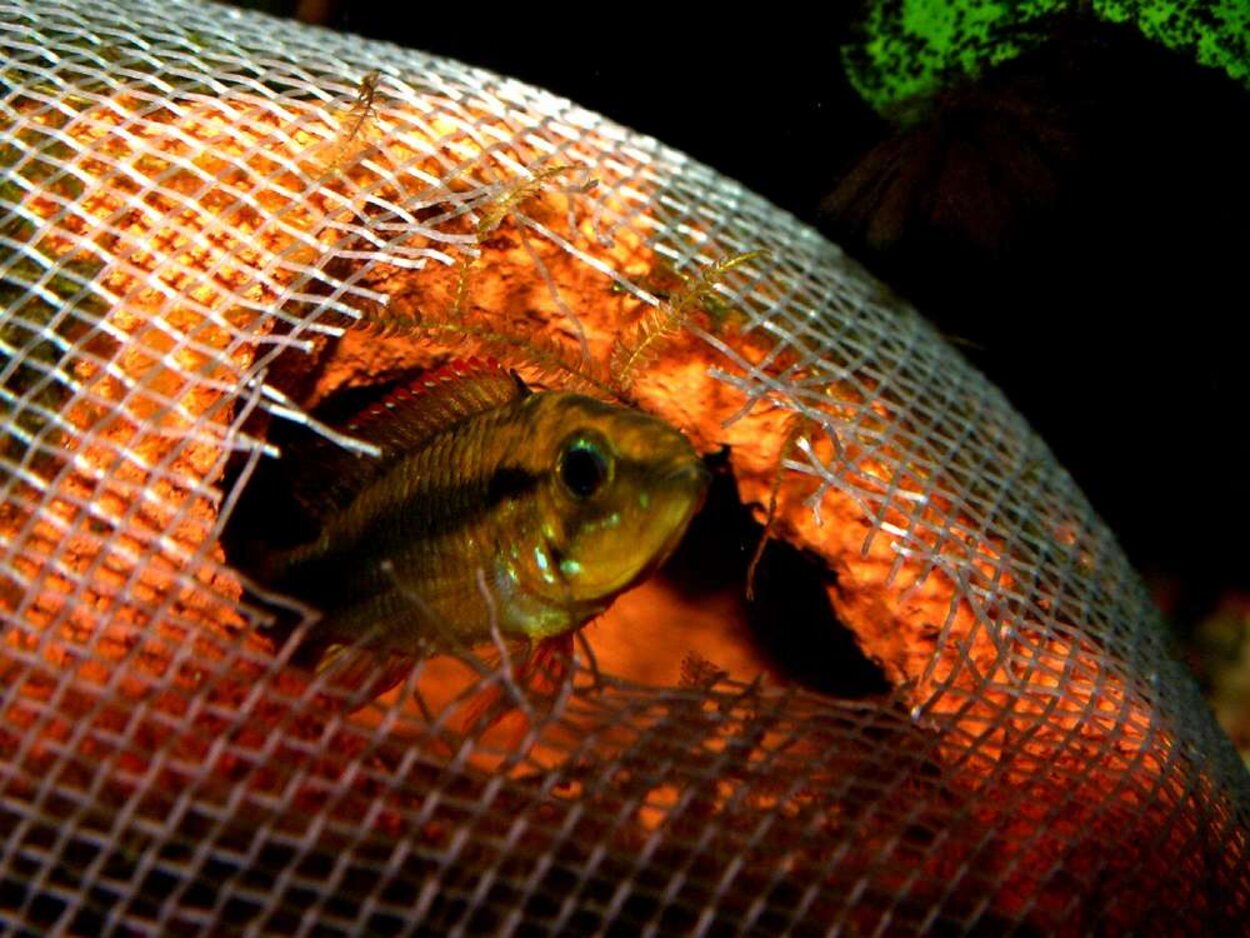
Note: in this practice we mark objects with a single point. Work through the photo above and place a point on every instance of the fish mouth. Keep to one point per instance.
(693, 478)
(687, 487)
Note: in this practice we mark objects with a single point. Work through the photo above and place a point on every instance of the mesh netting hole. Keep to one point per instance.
(790, 622)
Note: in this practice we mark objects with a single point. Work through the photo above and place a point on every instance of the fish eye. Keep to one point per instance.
(583, 468)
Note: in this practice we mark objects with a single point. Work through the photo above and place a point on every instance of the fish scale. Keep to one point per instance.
(489, 506)
(427, 547)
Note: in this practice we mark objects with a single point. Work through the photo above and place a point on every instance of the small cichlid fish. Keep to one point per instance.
(490, 504)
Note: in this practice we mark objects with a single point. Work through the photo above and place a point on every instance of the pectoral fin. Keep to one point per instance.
(541, 672)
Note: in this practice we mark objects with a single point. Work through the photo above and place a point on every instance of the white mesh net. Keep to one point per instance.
(208, 220)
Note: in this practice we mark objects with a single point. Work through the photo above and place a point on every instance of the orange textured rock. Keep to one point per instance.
(218, 211)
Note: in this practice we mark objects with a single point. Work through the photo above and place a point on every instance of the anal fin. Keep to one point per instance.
(360, 674)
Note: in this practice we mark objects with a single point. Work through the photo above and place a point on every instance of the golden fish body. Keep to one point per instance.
(491, 506)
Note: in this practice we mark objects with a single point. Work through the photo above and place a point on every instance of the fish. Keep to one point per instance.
(491, 509)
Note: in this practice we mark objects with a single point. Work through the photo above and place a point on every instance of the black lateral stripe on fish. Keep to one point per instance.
(488, 504)
(510, 482)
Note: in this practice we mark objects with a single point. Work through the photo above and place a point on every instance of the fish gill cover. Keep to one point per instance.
(218, 230)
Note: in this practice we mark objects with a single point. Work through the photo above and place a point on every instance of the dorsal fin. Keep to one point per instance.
(327, 477)
(410, 415)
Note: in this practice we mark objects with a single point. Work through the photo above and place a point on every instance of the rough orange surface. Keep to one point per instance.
(184, 212)
(184, 247)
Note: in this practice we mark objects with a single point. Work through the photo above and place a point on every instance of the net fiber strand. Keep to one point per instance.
(211, 222)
